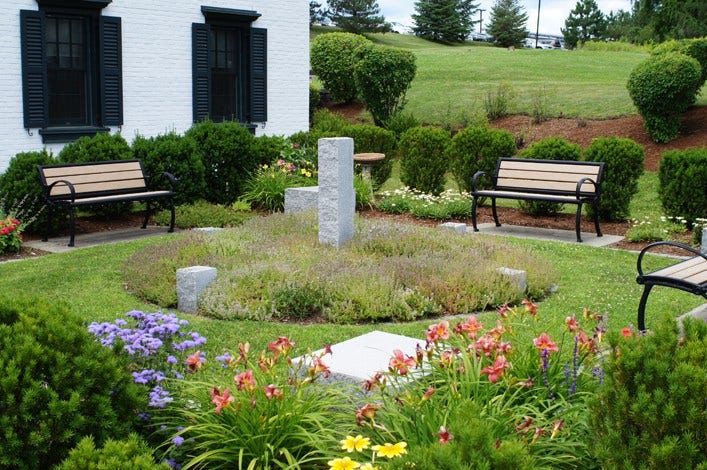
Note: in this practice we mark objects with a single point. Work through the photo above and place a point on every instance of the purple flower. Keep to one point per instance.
(171, 360)
(159, 397)
(178, 441)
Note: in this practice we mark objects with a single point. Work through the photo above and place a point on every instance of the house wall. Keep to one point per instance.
(157, 68)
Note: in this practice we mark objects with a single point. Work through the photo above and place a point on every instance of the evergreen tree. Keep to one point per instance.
(618, 26)
(316, 14)
(446, 21)
(656, 20)
(357, 16)
(507, 24)
(585, 22)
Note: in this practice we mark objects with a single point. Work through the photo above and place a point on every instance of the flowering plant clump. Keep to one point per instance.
(448, 205)
(299, 160)
(266, 410)
(10, 235)
(359, 444)
(648, 230)
(528, 381)
(159, 349)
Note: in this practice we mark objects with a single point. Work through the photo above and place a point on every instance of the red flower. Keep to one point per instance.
(281, 345)
(586, 343)
(543, 342)
(530, 307)
(524, 427)
(401, 363)
(327, 349)
(438, 331)
(319, 367)
(470, 326)
(245, 381)
(627, 332)
(444, 435)
(503, 310)
(497, 369)
(221, 400)
(367, 412)
(194, 361)
(572, 324)
(485, 344)
(271, 391)
(378, 380)
(430, 391)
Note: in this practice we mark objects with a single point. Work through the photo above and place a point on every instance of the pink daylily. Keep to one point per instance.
(497, 369)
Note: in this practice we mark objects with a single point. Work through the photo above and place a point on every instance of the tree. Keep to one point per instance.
(585, 22)
(656, 20)
(316, 14)
(357, 16)
(445, 21)
(507, 23)
(618, 26)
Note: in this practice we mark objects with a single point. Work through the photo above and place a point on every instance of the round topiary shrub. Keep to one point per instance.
(478, 149)
(383, 76)
(267, 148)
(57, 385)
(374, 139)
(227, 150)
(624, 165)
(695, 48)
(333, 56)
(662, 88)
(177, 155)
(20, 184)
(132, 453)
(550, 148)
(102, 147)
(422, 158)
(682, 176)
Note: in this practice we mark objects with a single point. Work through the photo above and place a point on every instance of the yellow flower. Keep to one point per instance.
(368, 466)
(265, 167)
(308, 174)
(343, 464)
(391, 450)
(303, 171)
(357, 443)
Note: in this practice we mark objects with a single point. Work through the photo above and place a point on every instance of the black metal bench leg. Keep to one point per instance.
(578, 223)
(473, 214)
(171, 220)
(147, 215)
(596, 221)
(72, 226)
(642, 307)
(493, 210)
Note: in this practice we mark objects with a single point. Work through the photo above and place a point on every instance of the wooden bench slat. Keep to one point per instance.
(100, 177)
(576, 168)
(519, 195)
(543, 185)
(677, 270)
(119, 197)
(60, 189)
(81, 169)
(545, 175)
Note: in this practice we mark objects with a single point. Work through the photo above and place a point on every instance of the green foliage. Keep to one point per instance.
(478, 149)
(498, 104)
(204, 214)
(445, 21)
(153, 275)
(657, 21)
(333, 57)
(383, 76)
(265, 190)
(102, 147)
(20, 182)
(422, 158)
(57, 385)
(695, 48)
(357, 16)
(315, 99)
(682, 176)
(227, 151)
(624, 165)
(374, 139)
(647, 230)
(585, 22)
(176, 155)
(550, 148)
(662, 88)
(267, 148)
(400, 122)
(328, 121)
(133, 453)
(651, 411)
(507, 23)
(364, 193)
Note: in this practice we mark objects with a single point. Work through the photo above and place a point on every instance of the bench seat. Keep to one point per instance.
(71, 185)
(689, 275)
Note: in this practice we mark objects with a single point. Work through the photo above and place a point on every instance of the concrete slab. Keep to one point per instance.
(358, 359)
(85, 240)
(547, 234)
(699, 313)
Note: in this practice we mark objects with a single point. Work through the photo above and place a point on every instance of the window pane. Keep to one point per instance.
(64, 31)
(77, 32)
(50, 34)
(67, 97)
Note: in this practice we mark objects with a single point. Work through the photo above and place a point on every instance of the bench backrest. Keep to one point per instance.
(94, 179)
(547, 176)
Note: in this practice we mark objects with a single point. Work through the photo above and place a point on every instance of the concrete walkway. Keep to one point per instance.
(546, 234)
(86, 240)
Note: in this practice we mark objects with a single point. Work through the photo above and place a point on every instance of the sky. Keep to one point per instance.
(553, 13)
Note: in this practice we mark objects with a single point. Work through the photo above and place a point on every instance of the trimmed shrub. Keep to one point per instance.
(102, 147)
(550, 148)
(177, 155)
(682, 176)
(422, 158)
(651, 411)
(662, 88)
(383, 76)
(315, 98)
(133, 453)
(327, 121)
(333, 57)
(227, 152)
(402, 121)
(478, 149)
(695, 48)
(267, 148)
(624, 165)
(57, 385)
(204, 214)
(375, 139)
(21, 181)
(311, 138)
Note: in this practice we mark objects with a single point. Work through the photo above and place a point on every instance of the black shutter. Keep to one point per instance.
(201, 71)
(258, 75)
(111, 66)
(34, 70)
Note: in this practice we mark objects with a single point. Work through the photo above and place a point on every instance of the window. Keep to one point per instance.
(229, 67)
(71, 69)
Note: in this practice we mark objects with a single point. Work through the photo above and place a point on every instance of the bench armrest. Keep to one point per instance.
(586, 179)
(476, 177)
(645, 250)
(65, 182)
(172, 179)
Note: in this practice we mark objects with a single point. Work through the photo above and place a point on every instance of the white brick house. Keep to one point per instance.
(77, 67)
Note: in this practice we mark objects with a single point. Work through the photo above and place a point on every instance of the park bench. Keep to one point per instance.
(689, 275)
(561, 181)
(67, 186)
